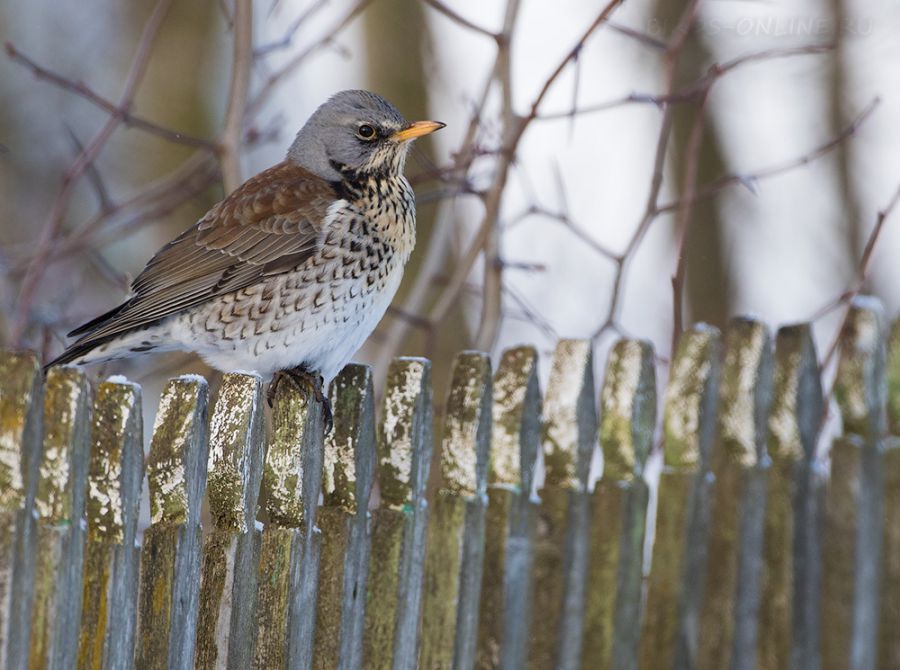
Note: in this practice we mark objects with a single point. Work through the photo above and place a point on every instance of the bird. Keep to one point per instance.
(290, 273)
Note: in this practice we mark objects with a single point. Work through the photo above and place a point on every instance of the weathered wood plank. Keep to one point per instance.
(348, 475)
(505, 607)
(788, 614)
(453, 573)
(851, 545)
(569, 437)
(289, 554)
(170, 558)
(888, 640)
(60, 510)
(628, 414)
(675, 583)
(20, 448)
(728, 619)
(115, 479)
(397, 563)
(226, 624)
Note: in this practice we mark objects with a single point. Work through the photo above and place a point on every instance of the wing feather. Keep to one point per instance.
(273, 223)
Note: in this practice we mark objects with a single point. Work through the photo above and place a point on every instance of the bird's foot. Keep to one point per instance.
(310, 383)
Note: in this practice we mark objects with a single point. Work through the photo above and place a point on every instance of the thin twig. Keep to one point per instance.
(86, 93)
(50, 230)
(458, 18)
(683, 218)
(751, 179)
(232, 131)
(861, 275)
(275, 78)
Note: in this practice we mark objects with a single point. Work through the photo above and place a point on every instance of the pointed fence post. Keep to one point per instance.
(226, 625)
(619, 507)
(678, 563)
(851, 546)
(397, 563)
(115, 480)
(728, 620)
(289, 551)
(59, 506)
(888, 640)
(20, 449)
(349, 472)
(561, 545)
(170, 557)
(505, 608)
(788, 611)
(456, 527)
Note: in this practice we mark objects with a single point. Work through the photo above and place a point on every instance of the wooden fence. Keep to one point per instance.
(766, 553)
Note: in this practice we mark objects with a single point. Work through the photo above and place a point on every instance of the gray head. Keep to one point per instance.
(356, 133)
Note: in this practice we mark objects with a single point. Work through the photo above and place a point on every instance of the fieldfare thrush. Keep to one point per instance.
(290, 273)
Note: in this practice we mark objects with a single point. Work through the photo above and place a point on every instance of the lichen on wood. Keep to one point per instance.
(467, 421)
(691, 394)
(628, 409)
(235, 442)
(351, 398)
(180, 424)
(569, 406)
(744, 392)
(893, 378)
(515, 417)
(67, 409)
(116, 423)
(20, 374)
(283, 472)
(860, 386)
(797, 402)
(406, 393)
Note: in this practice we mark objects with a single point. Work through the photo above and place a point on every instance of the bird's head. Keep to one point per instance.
(356, 133)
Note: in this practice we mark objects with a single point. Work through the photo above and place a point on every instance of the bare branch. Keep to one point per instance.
(275, 78)
(86, 93)
(232, 132)
(859, 279)
(749, 180)
(683, 218)
(49, 232)
(461, 20)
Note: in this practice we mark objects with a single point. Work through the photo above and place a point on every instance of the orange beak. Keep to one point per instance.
(416, 129)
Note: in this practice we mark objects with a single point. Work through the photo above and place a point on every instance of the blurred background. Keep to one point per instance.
(606, 170)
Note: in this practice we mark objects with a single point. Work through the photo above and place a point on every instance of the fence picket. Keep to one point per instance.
(227, 611)
(59, 506)
(505, 608)
(728, 620)
(760, 559)
(456, 525)
(111, 563)
(619, 502)
(851, 546)
(20, 449)
(170, 557)
(569, 438)
(349, 471)
(396, 567)
(675, 588)
(888, 640)
(791, 537)
(289, 552)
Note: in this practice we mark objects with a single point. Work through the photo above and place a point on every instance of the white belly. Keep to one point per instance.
(322, 338)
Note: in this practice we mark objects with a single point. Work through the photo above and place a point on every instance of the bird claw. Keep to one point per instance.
(307, 383)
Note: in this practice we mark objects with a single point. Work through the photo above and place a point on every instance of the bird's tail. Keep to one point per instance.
(89, 349)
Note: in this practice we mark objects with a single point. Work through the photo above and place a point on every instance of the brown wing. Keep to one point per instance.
(269, 225)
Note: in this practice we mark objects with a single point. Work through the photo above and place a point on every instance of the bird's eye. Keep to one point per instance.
(366, 132)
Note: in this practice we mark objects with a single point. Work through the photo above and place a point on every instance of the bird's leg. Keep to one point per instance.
(306, 382)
